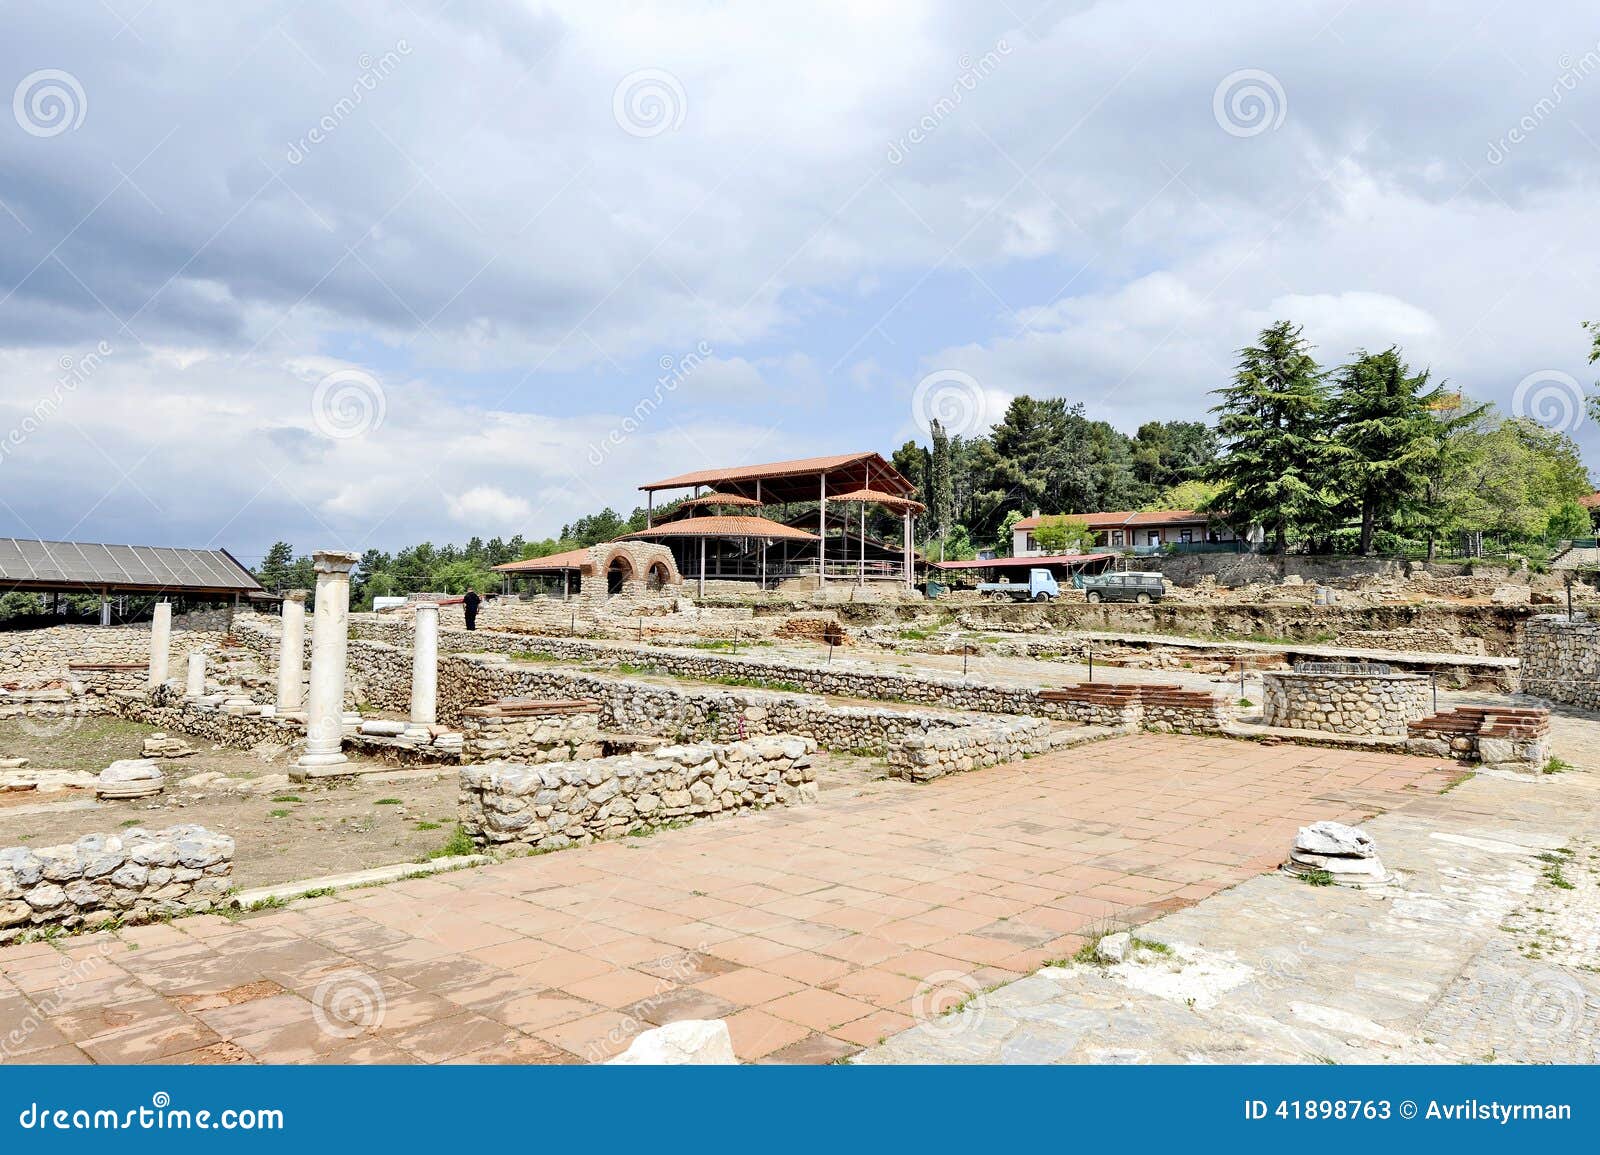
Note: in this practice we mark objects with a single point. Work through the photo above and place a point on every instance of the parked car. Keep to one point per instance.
(1041, 586)
(1125, 587)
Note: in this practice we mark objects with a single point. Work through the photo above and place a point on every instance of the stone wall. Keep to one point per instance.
(131, 876)
(921, 757)
(563, 804)
(46, 653)
(531, 731)
(1498, 738)
(1561, 659)
(167, 709)
(1345, 703)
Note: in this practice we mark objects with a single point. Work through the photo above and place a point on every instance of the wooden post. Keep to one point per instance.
(822, 534)
(702, 569)
(649, 507)
(861, 577)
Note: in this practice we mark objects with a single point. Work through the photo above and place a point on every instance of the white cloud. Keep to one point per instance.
(486, 508)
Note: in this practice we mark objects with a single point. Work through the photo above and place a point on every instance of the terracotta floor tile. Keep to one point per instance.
(543, 1009)
(595, 1038)
(757, 1034)
(751, 987)
(617, 988)
(818, 1009)
(874, 1028)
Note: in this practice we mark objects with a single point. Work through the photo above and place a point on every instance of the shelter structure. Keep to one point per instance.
(598, 573)
(738, 546)
(111, 570)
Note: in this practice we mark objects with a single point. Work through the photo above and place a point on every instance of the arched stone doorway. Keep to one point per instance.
(619, 570)
(657, 577)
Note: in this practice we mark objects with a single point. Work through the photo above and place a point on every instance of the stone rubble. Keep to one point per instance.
(130, 778)
(1343, 852)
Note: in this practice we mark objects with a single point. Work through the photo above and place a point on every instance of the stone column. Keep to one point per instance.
(160, 643)
(330, 629)
(291, 653)
(196, 685)
(425, 667)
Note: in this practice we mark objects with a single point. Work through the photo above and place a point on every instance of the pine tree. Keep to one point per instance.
(1385, 439)
(1272, 471)
(941, 481)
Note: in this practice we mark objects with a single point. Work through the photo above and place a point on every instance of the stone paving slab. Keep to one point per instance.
(1473, 954)
(814, 931)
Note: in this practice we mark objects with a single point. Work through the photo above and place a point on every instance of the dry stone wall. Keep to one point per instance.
(563, 804)
(132, 876)
(531, 732)
(1363, 704)
(42, 654)
(1561, 659)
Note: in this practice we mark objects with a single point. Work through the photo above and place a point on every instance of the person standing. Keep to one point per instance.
(470, 605)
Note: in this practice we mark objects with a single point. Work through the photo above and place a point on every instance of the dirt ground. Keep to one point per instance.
(298, 831)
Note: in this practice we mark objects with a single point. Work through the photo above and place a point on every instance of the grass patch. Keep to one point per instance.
(1557, 766)
(129, 822)
(277, 814)
(429, 825)
(534, 656)
(1317, 878)
(287, 798)
(1552, 874)
(1245, 703)
(457, 844)
(388, 802)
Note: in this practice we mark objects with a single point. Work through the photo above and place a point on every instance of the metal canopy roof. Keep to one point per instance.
(1060, 559)
(71, 565)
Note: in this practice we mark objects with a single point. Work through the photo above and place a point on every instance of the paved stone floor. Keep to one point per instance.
(814, 931)
(1483, 949)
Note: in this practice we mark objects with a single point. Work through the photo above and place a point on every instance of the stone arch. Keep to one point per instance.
(619, 572)
(658, 576)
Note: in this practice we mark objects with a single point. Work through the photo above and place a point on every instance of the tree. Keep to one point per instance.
(1569, 520)
(274, 571)
(1058, 533)
(1186, 495)
(941, 483)
(598, 527)
(1384, 439)
(1272, 471)
(912, 461)
(1594, 355)
(1005, 540)
(1168, 453)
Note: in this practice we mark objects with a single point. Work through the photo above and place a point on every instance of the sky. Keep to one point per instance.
(365, 274)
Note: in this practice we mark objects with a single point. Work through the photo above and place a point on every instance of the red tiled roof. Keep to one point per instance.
(1592, 501)
(1120, 519)
(714, 498)
(880, 497)
(721, 527)
(863, 468)
(572, 559)
(1025, 562)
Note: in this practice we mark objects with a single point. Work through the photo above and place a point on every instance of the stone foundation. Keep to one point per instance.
(921, 757)
(531, 731)
(564, 804)
(132, 876)
(1359, 700)
(1561, 659)
(1507, 738)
